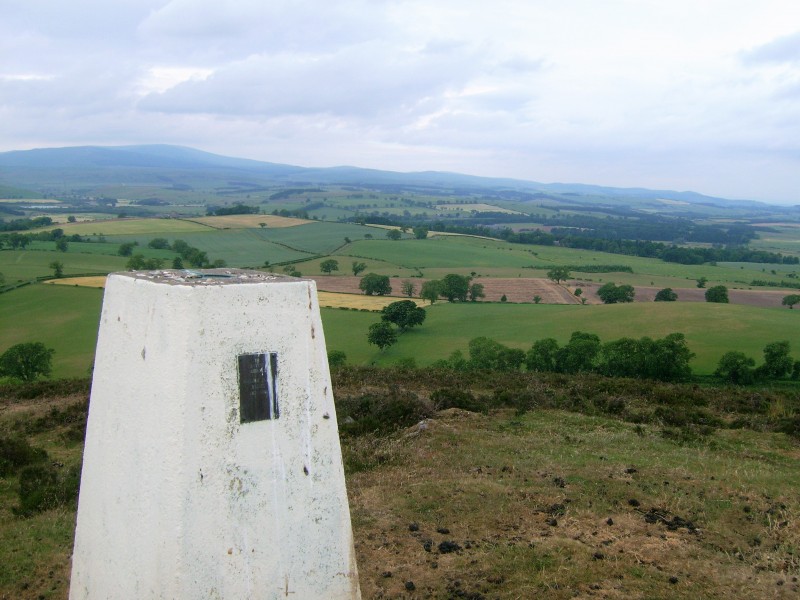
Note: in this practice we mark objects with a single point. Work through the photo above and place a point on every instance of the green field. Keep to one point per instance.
(23, 265)
(157, 227)
(65, 318)
(710, 329)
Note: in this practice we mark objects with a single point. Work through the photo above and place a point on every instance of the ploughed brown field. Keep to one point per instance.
(523, 290)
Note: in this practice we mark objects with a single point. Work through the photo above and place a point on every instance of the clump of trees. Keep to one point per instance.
(404, 314)
(738, 368)
(611, 293)
(665, 359)
(718, 293)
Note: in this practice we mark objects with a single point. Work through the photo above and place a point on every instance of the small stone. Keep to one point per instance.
(410, 586)
(442, 530)
(609, 521)
(386, 574)
(631, 471)
(552, 522)
(598, 556)
(413, 526)
(673, 580)
(634, 502)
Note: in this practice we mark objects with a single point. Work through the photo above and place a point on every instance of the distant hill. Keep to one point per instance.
(159, 164)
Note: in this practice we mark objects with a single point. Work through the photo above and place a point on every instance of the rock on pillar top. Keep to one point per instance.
(212, 466)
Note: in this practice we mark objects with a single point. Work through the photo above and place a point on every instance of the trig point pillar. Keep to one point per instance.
(212, 466)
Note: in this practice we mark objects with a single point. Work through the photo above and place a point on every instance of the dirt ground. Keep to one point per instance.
(524, 289)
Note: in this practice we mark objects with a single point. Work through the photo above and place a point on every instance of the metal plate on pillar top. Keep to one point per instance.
(258, 387)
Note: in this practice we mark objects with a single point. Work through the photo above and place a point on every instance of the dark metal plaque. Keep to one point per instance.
(258, 387)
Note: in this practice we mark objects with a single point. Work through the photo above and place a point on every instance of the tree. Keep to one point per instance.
(431, 290)
(405, 314)
(71, 219)
(336, 358)
(394, 234)
(420, 233)
(777, 361)
(126, 249)
(701, 283)
(666, 295)
(537, 299)
(408, 288)
(158, 243)
(372, 283)
(27, 361)
(177, 263)
(542, 355)
(476, 291)
(486, 353)
(358, 267)
(736, 367)
(791, 300)
(62, 245)
(58, 268)
(503, 298)
(558, 274)
(611, 293)
(382, 334)
(718, 293)
(329, 265)
(455, 287)
(579, 354)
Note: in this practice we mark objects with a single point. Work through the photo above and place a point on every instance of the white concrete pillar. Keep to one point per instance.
(212, 466)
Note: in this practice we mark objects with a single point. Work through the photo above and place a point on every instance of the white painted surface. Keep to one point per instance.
(178, 498)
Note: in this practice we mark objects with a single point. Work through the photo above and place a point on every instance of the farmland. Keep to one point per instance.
(65, 319)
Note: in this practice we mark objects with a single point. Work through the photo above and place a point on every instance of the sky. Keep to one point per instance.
(700, 95)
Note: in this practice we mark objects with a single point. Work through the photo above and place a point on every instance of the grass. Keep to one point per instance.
(24, 265)
(546, 503)
(540, 506)
(66, 318)
(156, 227)
(63, 318)
(711, 330)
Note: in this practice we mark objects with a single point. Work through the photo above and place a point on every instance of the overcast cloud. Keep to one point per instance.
(699, 95)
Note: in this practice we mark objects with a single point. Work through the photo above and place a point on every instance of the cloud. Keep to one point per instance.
(357, 81)
(784, 49)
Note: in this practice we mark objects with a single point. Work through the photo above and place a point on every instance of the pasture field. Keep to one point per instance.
(710, 330)
(153, 227)
(237, 247)
(52, 314)
(248, 221)
(318, 237)
(24, 265)
(477, 207)
(63, 318)
(785, 239)
(440, 255)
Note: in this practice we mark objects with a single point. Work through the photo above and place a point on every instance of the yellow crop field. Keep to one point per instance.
(29, 201)
(94, 282)
(131, 227)
(326, 299)
(249, 221)
(479, 207)
(357, 301)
